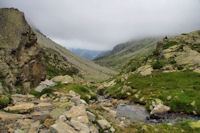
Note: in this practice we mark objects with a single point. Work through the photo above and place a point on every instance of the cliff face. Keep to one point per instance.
(21, 63)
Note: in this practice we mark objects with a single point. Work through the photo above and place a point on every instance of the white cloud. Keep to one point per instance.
(101, 24)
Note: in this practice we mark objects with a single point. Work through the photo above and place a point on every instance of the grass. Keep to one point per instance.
(182, 87)
(82, 90)
(170, 44)
(182, 127)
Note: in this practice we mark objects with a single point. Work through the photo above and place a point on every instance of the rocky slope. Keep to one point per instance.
(21, 62)
(88, 69)
(122, 53)
(28, 57)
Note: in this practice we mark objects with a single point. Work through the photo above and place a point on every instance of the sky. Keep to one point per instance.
(102, 24)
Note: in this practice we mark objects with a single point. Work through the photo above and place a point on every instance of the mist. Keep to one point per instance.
(101, 24)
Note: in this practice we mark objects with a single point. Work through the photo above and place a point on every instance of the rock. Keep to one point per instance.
(49, 122)
(1, 89)
(48, 83)
(78, 113)
(43, 104)
(93, 129)
(61, 127)
(169, 97)
(195, 125)
(62, 118)
(38, 115)
(34, 127)
(19, 98)
(21, 108)
(63, 79)
(72, 93)
(8, 116)
(76, 100)
(145, 70)
(19, 131)
(91, 116)
(160, 109)
(40, 88)
(80, 126)
(55, 113)
(104, 124)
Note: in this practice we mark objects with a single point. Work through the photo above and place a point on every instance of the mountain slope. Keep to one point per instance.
(88, 69)
(169, 76)
(87, 54)
(122, 53)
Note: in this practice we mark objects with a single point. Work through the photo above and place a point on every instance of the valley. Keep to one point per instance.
(143, 86)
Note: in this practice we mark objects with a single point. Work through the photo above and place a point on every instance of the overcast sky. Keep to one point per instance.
(101, 24)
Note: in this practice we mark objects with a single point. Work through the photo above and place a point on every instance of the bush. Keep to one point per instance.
(157, 65)
(4, 101)
(172, 62)
(170, 44)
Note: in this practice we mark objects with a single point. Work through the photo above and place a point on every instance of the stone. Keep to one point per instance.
(8, 116)
(76, 100)
(79, 126)
(34, 127)
(63, 79)
(40, 88)
(55, 113)
(93, 129)
(160, 109)
(19, 131)
(104, 124)
(43, 104)
(19, 98)
(61, 127)
(1, 88)
(48, 83)
(21, 108)
(62, 118)
(72, 93)
(77, 113)
(91, 116)
(49, 122)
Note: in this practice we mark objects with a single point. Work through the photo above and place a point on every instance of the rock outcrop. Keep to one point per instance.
(21, 63)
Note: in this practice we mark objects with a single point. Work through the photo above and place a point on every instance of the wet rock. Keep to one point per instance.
(159, 109)
(21, 108)
(63, 79)
(61, 127)
(104, 124)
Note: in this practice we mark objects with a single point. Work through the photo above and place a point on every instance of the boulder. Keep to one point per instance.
(78, 113)
(61, 127)
(91, 116)
(8, 116)
(80, 126)
(18, 98)
(104, 124)
(159, 109)
(63, 79)
(21, 108)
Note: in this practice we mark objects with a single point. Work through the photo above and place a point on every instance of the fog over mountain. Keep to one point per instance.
(101, 24)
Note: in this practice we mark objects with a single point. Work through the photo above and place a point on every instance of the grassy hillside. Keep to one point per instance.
(122, 53)
(89, 70)
(170, 74)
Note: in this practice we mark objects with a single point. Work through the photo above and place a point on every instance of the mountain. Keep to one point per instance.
(169, 76)
(122, 53)
(28, 57)
(87, 54)
(88, 69)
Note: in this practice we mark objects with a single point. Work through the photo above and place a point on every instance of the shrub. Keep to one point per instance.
(157, 65)
(172, 62)
(170, 44)
(4, 101)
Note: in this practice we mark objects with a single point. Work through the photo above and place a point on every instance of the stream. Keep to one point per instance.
(137, 114)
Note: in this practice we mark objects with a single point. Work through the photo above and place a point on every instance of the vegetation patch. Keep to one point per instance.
(4, 101)
(182, 127)
(179, 90)
(169, 44)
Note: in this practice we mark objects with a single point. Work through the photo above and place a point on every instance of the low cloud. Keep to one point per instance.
(101, 24)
